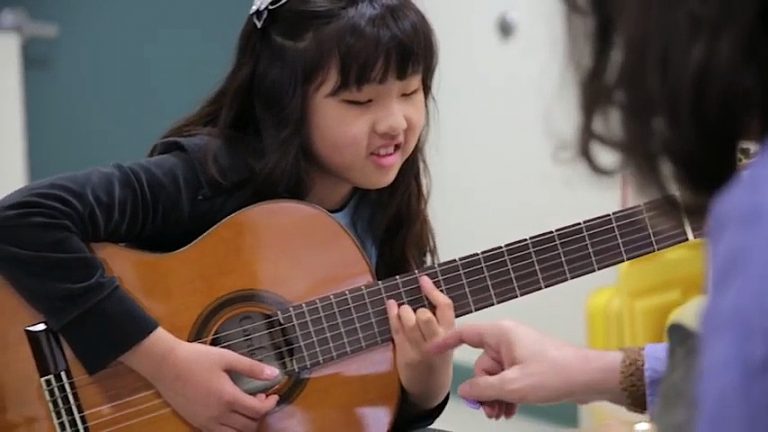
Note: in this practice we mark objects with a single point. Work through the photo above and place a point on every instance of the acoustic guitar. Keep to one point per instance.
(282, 282)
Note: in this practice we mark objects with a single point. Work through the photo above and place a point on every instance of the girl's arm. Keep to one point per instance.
(409, 416)
(45, 229)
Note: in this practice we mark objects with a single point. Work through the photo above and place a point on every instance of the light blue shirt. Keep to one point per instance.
(356, 222)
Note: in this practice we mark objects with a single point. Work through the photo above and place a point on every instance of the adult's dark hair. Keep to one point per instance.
(672, 84)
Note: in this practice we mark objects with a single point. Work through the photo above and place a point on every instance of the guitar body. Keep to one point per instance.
(259, 259)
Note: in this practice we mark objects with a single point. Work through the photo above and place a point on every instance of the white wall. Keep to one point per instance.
(13, 136)
(506, 117)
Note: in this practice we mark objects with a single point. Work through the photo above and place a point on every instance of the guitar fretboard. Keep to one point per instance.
(348, 322)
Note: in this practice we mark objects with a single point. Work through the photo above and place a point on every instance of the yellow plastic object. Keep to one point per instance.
(636, 310)
(604, 319)
(650, 293)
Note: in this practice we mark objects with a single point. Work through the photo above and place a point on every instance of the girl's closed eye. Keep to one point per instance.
(413, 92)
(357, 102)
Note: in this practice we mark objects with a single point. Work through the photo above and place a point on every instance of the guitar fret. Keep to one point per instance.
(300, 337)
(333, 324)
(436, 276)
(589, 246)
(328, 332)
(373, 317)
(354, 318)
(523, 267)
(417, 297)
(400, 291)
(500, 279)
(604, 242)
(576, 254)
(318, 347)
(409, 287)
(618, 237)
(317, 321)
(650, 231)
(633, 233)
(361, 310)
(488, 279)
(380, 314)
(666, 231)
(546, 255)
(454, 287)
(562, 257)
(466, 288)
(535, 264)
(442, 281)
(505, 250)
(471, 267)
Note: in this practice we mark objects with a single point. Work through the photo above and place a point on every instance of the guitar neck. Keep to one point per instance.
(349, 322)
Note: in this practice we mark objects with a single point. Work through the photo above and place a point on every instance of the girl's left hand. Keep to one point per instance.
(426, 377)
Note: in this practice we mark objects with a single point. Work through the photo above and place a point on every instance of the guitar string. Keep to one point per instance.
(505, 249)
(445, 288)
(375, 331)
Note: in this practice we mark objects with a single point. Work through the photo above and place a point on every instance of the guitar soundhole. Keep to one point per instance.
(246, 322)
(256, 336)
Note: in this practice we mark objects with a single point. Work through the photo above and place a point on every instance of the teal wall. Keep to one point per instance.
(119, 74)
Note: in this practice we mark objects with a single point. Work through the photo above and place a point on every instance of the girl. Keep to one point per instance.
(687, 82)
(326, 102)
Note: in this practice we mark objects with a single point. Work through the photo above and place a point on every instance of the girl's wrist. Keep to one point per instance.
(429, 390)
(149, 356)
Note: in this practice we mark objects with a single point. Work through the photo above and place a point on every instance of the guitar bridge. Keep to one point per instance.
(56, 379)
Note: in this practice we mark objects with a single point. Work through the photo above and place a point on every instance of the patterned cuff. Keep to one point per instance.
(632, 379)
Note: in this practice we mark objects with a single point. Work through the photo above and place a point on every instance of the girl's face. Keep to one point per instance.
(361, 137)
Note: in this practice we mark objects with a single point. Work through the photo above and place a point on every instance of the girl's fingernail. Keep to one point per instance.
(271, 372)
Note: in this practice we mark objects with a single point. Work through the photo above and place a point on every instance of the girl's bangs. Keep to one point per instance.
(381, 42)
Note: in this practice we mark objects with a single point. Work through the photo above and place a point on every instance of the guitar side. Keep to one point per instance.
(285, 250)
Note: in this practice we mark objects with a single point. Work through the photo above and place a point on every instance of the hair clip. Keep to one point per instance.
(260, 8)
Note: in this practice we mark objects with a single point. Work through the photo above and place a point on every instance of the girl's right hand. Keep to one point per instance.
(193, 379)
